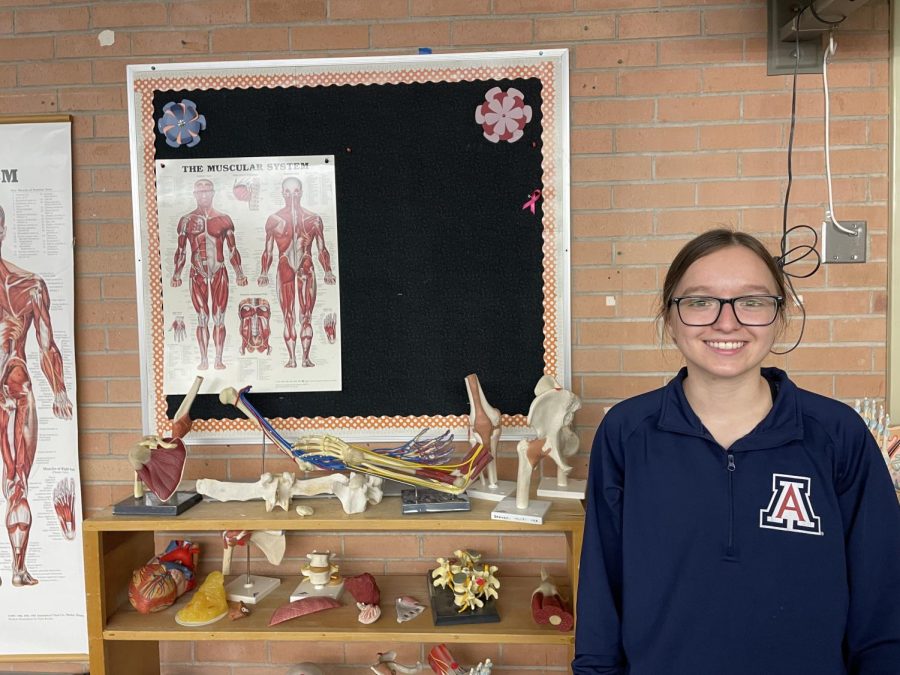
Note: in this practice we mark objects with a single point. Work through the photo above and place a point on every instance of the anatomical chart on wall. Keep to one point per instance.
(250, 279)
(42, 596)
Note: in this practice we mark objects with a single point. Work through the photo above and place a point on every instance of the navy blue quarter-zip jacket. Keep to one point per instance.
(777, 556)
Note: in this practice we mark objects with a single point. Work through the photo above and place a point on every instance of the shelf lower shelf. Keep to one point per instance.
(340, 624)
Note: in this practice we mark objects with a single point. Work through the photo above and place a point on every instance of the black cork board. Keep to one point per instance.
(443, 266)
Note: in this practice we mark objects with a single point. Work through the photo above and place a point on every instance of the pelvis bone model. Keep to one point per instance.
(550, 415)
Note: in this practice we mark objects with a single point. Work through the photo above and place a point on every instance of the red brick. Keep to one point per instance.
(250, 39)
(774, 163)
(741, 78)
(305, 38)
(707, 50)
(717, 165)
(99, 98)
(867, 103)
(593, 359)
(95, 418)
(610, 168)
(738, 193)
(113, 125)
(694, 221)
(124, 391)
(109, 72)
(830, 359)
(55, 20)
(649, 251)
(658, 24)
(614, 333)
(591, 140)
(231, 651)
(778, 106)
(6, 22)
(591, 253)
(652, 195)
(100, 152)
(612, 111)
(659, 81)
(580, 28)
(114, 14)
(612, 224)
(728, 136)
(450, 7)
(843, 132)
(410, 34)
(365, 9)
(590, 197)
(615, 54)
(117, 288)
(592, 84)
(122, 339)
(590, 5)
(281, 12)
(60, 72)
(112, 180)
(88, 46)
(26, 49)
(698, 108)
(106, 312)
(741, 21)
(176, 42)
(531, 6)
(494, 31)
(655, 139)
(30, 102)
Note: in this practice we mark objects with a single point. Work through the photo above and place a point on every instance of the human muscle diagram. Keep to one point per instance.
(211, 241)
(207, 232)
(42, 597)
(24, 305)
(293, 231)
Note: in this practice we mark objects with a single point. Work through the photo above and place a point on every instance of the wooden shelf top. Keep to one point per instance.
(516, 625)
(564, 515)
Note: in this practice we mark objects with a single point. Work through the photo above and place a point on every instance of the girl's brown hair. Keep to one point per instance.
(710, 242)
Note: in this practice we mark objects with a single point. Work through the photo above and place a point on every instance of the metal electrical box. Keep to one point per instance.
(840, 247)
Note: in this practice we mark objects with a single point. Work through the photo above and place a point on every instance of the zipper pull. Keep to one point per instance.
(731, 466)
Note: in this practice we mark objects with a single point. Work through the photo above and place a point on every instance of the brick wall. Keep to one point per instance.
(675, 128)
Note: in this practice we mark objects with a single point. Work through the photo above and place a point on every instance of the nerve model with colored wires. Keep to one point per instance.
(421, 462)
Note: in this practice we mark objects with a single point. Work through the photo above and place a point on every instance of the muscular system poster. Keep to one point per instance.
(250, 277)
(42, 596)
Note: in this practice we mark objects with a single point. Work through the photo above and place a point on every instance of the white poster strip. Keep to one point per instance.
(251, 287)
(42, 595)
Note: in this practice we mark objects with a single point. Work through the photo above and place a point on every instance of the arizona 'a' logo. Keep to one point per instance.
(790, 508)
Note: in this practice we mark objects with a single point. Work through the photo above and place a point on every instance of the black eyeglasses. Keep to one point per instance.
(749, 310)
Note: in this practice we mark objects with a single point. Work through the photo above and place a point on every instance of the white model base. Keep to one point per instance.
(574, 490)
(306, 590)
(252, 591)
(503, 489)
(533, 513)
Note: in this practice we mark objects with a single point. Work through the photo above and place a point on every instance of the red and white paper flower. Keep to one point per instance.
(503, 115)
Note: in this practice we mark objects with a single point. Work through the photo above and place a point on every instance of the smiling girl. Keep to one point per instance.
(736, 524)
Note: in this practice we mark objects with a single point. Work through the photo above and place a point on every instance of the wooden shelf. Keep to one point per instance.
(565, 515)
(340, 624)
(122, 640)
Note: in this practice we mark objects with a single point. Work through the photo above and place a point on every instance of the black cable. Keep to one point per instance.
(812, 8)
(787, 256)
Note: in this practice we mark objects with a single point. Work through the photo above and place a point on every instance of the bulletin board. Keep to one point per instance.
(429, 240)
